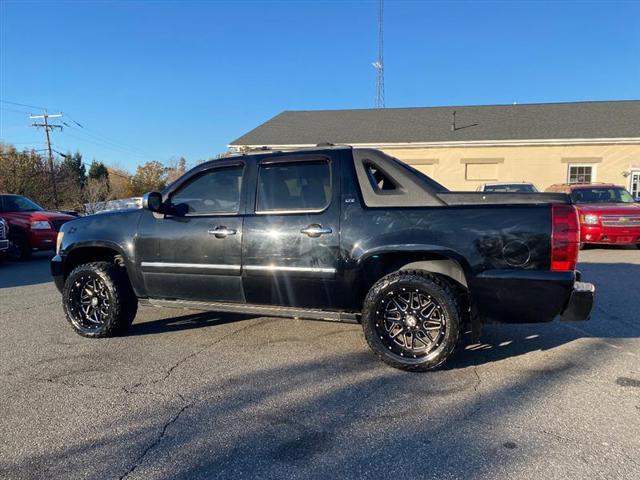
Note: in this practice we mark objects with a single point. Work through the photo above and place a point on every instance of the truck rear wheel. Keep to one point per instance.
(98, 300)
(411, 320)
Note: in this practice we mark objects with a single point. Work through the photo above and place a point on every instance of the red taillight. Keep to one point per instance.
(565, 238)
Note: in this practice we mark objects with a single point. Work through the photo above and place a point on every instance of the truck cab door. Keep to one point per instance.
(194, 251)
(291, 245)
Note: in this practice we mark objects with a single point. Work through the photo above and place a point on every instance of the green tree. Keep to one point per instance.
(73, 163)
(98, 170)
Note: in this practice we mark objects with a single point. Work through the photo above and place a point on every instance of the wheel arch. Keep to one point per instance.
(377, 263)
(92, 252)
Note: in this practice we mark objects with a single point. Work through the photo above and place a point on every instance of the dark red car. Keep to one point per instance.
(30, 226)
(608, 213)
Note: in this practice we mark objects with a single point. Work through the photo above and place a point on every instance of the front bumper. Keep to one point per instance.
(4, 245)
(609, 235)
(580, 302)
(43, 239)
(57, 271)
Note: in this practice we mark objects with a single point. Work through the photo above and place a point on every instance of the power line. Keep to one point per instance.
(22, 105)
(111, 171)
(101, 137)
(104, 144)
(14, 110)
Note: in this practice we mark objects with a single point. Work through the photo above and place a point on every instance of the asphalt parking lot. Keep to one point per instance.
(193, 395)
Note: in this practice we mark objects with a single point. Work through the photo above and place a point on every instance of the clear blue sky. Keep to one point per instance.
(153, 80)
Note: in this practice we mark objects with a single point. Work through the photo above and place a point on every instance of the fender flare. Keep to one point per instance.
(449, 263)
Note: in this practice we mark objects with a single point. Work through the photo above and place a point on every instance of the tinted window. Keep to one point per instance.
(216, 191)
(601, 195)
(294, 186)
(11, 203)
(511, 188)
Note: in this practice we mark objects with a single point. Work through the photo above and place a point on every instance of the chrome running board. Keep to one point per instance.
(261, 310)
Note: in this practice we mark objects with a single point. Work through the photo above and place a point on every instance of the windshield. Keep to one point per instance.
(511, 188)
(16, 203)
(601, 195)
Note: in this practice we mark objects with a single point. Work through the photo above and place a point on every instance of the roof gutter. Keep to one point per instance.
(470, 143)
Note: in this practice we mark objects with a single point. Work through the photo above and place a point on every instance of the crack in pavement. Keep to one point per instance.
(185, 359)
(157, 441)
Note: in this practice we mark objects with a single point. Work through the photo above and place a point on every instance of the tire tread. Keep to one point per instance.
(417, 275)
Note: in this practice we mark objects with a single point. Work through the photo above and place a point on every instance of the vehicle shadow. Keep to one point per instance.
(32, 271)
(611, 319)
(184, 322)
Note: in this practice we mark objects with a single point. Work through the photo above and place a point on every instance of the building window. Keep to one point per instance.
(581, 174)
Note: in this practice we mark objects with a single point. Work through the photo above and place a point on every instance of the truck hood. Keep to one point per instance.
(27, 217)
(609, 208)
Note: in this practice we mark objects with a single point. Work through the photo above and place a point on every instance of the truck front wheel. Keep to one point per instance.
(98, 300)
(411, 320)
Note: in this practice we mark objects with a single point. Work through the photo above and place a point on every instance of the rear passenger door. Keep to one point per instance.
(290, 249)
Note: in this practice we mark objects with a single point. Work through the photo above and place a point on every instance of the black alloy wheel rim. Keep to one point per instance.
(89, 303)
(410, 322)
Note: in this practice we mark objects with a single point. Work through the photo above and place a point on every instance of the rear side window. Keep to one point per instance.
(294, 186)
(215, 191)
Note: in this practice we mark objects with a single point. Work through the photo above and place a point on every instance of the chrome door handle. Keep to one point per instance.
(222, 231)
(314, 230)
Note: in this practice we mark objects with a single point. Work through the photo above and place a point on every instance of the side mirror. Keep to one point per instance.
(152, 201)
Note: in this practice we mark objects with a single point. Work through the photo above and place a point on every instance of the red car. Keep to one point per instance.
(608, 213)
(30, 226)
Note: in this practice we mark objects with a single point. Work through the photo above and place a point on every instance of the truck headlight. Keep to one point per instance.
(40, 225)
(590, 219)
(59, 242)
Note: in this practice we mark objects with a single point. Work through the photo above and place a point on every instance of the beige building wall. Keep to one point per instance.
(465, 168)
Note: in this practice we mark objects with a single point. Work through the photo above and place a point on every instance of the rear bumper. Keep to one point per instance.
(530, 296)
(57, 271)
(609, 235)
(580, 302)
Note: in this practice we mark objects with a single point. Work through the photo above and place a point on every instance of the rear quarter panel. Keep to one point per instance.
(504, 250)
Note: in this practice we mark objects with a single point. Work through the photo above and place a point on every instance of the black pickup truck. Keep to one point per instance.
(329, 233)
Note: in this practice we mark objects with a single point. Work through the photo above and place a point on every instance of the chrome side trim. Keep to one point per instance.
(277, 268)
(212, 266)
(285, 212)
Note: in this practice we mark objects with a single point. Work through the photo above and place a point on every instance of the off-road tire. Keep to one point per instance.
(441, 290)
(123, 303)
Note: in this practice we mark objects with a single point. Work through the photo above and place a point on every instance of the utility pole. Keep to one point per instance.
(379, 64)
(47, 127)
